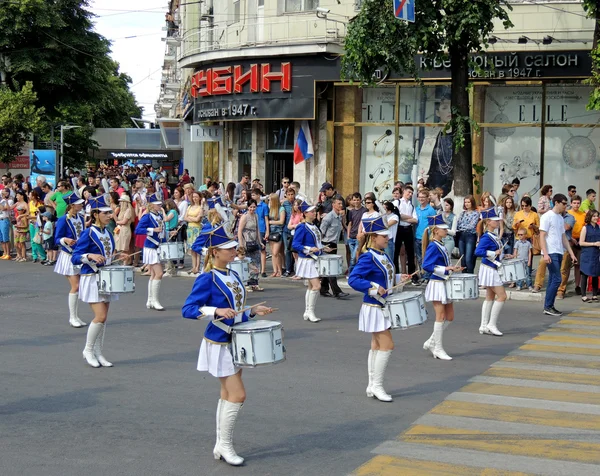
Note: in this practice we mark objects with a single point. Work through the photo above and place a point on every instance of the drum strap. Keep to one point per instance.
(222, 326)
(152, 240)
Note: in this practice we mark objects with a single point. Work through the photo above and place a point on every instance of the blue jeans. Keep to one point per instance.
(466, 245)
(525, 282)
(554, 279)
(390, 250)
(287, 251)
(419, 256)
(352, 244)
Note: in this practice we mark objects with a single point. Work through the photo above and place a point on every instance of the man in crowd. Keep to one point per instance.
(281, 193)
(115, 186)
(571, 192)
(405, 233)
(243, 185)
(566, 261)
(296, 187)
(288, 206)
(516, 183)
(262, 213)
(573, 234)
(39, 181)
(423, 210)
(207, 181)
(588, 203)
(331, 228)
(554, 241)
(353, 217)
(327, 204)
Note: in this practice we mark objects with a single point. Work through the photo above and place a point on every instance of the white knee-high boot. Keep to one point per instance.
(155, 291)
(92, 335)
(492, 324)
(98, 348)
(438, 349)
(306, 304)
(312, 302)
(428, 344)
(150, 299)
(380, 364)
(224, 448)
(370, 365)
(218, 426)
(486, 310)
(83, 324)
(73, 320)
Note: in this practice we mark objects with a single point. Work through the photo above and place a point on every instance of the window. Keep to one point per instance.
(245, 150)
(261, 3)
(293, 6)
(358, 4)
(236, 11)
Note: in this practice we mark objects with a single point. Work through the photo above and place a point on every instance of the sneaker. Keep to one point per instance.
(550, 311)
(518, 288)
(287, 274)
(535, 290)
(530, 289)
(264, 275)
(416, 282)
(560, 296)
(557, 311)
(578, 290)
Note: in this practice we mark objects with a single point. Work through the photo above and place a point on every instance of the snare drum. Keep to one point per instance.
(256, 343)
(241, 267)
(462, 286)
(172, 250)
(116, 280)
(329, 265)
(406, 309)
(512, 270)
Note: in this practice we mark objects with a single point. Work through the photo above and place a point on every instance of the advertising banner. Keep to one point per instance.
(43, 162)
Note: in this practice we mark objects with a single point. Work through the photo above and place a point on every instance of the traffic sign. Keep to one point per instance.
(404, 10)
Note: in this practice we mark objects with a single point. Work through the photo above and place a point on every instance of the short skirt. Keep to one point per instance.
(306, 268)
(88, 290)
(150, 256)
(489, 276)
(436, 291)
(64, 265)
(216, 359)
(372, 319)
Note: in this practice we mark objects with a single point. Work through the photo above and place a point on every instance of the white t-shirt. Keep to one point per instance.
(3, 202)
(554, 225)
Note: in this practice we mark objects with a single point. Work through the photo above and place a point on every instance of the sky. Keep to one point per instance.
(135, 29)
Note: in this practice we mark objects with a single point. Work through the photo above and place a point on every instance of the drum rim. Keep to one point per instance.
(248, 330)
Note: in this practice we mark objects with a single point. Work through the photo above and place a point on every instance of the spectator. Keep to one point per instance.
(331, 228)
(371, 212)
(35, 225)
(590, 255)
(508, 207)
(566, 262)
(327, 203)
(6, 205)
(262, 213)
(243, 185)
(282, 192)
(21, 229)
(450, 220)
(296, 187)
(516, 183)
(405, 233)
(251, 240)
(39, 181)
(524, 252)
(48, 219)
(185, 178)
(423, 211)
(207, 181)
(276, 222)
(353, 217)
(58, 198)
(193, 218)
(579, 223)
(396, 197)
(466, 232)
(588, 203)
(124, 220)
(182, 206)
(526, 218)
(435, 199)
(288, 205)
(162, 188)
(391, 218)
(571, 192)
(115, 186)
(545, 202)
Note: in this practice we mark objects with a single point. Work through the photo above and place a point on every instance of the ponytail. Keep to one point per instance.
(208, 264)
(367, 244)
(425, 240)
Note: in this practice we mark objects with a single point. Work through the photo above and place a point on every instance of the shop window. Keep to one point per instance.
(280, 135)
(293, 6)
(245, 150)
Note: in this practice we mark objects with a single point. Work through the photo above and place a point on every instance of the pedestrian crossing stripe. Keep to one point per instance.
(580, 322)
(584, 314)
(526, 359)
(573, 330)
(536, 393)
(560, 350)
(504, 372)
(570, 340)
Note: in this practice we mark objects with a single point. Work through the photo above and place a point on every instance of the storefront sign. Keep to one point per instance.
(21, 162)
(207, 133)
(138, 155)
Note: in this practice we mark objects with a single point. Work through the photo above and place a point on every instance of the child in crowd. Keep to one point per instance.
(48, 219)
(21, 233)
(523, 250)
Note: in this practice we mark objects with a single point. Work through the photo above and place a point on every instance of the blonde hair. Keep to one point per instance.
(214, 217)
(368, 243)
(274, 205)
(427, 238)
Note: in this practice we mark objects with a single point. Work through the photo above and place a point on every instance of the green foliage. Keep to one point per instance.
(19, 117)
(592, 9)
(479, 171)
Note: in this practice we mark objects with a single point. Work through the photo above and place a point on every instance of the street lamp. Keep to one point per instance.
(62, 146)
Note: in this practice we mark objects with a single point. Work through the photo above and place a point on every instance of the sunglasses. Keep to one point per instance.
(285, 183)
(563, 203)
(368, 201)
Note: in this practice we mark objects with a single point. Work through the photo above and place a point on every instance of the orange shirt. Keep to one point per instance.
(532, 218)
(579, 218)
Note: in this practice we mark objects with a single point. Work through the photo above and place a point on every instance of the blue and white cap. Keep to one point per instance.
(154, 199)
(218, 238)
(437, 221)
(100, 203)
(375, 225)
(74, 199)
(306, 207)
(490, 214)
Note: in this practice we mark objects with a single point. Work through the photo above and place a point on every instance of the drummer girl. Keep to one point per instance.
(307, 243)
(436, 261)
(373, 274)
(152, 225)
(94, 249)
(219, 294)
(490, 250)
(68, 230)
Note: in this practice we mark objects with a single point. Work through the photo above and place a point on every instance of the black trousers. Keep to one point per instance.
(330, 281)
(405, 235)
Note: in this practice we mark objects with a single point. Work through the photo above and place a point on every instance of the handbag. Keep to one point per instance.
(275, 237)
(536, 244)
(252, 246)
(37, 239)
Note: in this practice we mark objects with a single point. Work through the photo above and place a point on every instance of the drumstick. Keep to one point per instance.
(402, 283)
(127, 256)
(459, 260)
(242, 311)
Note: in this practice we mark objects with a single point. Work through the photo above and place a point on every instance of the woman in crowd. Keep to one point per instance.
(152, 226)
(451, 221)
(188, 190)
(182, 206)
(6, 206)
(250, 238)
(193, 218)
(243, 200)
(392, 219)
(123, 229)
(508, 238)
(307, 243)
(114, 204)
(295, 220)
(37, 250)
(466, 231)
(141, 208)
(212, 296)
(171, 221)
(589, 240)
(21, 229)
(490, 249)
(372, 212)
(276, 221)
(526, 218)
(88, 193)
(545, 201)
(69, 228)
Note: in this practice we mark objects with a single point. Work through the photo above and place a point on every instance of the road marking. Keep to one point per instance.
(586, 322)
(552, 355)
(561, 349)
(584, 314)
(528, 383)
(525, 359)
(544, 376)
(570, 340)
(533, 393)
(544, 367)
(573, 330)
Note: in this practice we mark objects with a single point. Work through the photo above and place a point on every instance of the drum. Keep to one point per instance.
(172, 250)
(329, 265)
(406, 309)
(256, 343)
(116, 280)
(241, 267)
(462, 286)
(512, 270)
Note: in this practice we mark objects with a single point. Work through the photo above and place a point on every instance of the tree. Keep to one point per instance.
(443, 30)
(592, 9)
(19, 117)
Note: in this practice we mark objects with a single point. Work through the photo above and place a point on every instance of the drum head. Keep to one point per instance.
(262, 324)
(404, 296)
(116, 268)
(462, 275)
(334, 257)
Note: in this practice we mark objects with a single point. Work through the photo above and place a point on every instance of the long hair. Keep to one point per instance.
(589, 215)
(214, 217)
(274, 205)
(230, 191)
(208, 262)
(368, 244)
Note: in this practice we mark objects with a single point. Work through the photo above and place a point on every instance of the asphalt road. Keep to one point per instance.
(153, 413)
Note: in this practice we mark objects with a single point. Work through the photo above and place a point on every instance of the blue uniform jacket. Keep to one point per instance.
(210, 293)
(88, 242)
(486, 249)
(435, 260)
(305, 238)
(369, 274)
(65, 228)
(150, 220)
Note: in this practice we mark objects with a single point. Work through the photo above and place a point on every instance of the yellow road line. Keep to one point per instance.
(584, 314)
(510, 414)
(384, 465)
(564, 450)
(570, 340)
(572, 330)
(579, 322)
(541, 375)
(526, 359)
(561, 349)
(533, 392)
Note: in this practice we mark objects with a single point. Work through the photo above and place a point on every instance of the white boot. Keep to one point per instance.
(491, 327)
(73, 321)
(486, 309)
(370, 365)
(224, 448)
(218, 427)
(98, 348)
(310, 310)
(83, 324)
(438, 350)
(92, 335)
(429, 342)
(382, 357)
(150, 299)
(155, 290)
(306, 304)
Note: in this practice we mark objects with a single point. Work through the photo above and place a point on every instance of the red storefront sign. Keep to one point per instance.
(21, 162)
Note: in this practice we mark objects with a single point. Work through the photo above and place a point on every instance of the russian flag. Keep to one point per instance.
(303, 149)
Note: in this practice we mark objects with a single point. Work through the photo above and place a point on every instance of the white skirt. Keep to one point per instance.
(64, 265)
(372, 319)
(489, 276)
(436, 291)
(88, 290)
(150, 256)
(216, 359)
(307, 268)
